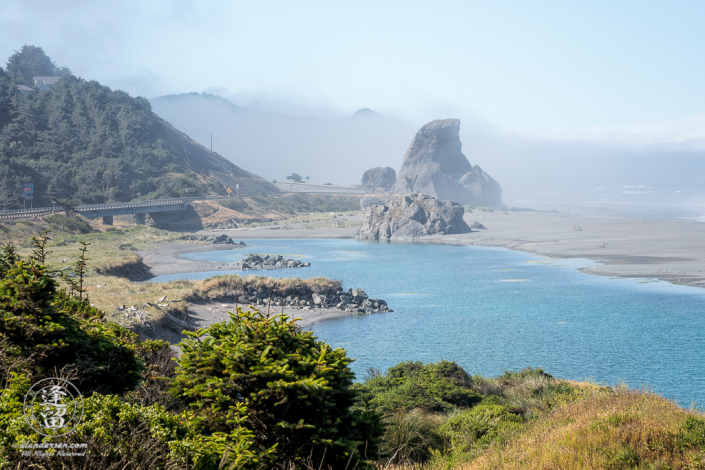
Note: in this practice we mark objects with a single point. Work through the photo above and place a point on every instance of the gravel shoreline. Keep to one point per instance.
(669, 250)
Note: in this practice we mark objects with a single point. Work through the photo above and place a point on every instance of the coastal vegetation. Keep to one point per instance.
(257, 391)
(81, 142)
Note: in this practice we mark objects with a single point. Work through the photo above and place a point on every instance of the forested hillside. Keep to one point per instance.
(85, 143)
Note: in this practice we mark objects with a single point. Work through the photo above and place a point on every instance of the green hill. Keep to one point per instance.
(85, 143)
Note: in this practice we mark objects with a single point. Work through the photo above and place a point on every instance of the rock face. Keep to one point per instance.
(303, 297)
(412, 216)
(369, 201)
(435, 165)
(214, 239)
(257, 262)
(380, 177)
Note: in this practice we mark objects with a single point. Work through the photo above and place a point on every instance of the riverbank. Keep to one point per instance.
(669, 250)
(204, 315)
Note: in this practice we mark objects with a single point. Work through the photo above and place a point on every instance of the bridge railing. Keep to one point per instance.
(126, 205)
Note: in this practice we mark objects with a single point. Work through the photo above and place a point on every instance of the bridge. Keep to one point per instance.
(107, 211)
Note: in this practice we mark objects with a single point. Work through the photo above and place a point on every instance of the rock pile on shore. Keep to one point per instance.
(412, 216)
(257, 262)
(305, 298)
(214, 239)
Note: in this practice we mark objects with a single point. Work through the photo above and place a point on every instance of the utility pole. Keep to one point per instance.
(211, 142)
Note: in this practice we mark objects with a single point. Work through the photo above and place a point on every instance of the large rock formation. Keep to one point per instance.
(412, 216)
(379, 177)
(435, 165)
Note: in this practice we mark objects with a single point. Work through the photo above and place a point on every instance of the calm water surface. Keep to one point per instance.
(492, 309)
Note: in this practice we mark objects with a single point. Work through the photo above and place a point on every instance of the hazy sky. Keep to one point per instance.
(625, 70)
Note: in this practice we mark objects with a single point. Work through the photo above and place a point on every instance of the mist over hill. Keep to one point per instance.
(651, 179)
(275, 145)
(80, 141)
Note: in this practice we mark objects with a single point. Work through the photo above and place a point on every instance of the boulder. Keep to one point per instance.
(412, 216)
(359, 293)
(478, 225)
(369, 201)
(435, 165)
(379, 177)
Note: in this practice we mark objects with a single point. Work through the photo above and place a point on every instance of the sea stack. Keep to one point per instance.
(380, 177)
(435, 165)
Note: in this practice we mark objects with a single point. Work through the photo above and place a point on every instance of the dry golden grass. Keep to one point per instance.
(607, 429)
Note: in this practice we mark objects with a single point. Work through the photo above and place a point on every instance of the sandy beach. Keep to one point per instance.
(166, 259)
(669, 250)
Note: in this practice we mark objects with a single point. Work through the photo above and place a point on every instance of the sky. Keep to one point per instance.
(627, 71)
(591, 103)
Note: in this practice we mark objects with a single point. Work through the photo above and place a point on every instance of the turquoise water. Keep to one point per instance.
(492, 309)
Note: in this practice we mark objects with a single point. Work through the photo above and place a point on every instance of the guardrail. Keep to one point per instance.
(126, 205)
(27, 213)
(42, 211)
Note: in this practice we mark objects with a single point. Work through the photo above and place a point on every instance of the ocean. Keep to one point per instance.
(493, 309)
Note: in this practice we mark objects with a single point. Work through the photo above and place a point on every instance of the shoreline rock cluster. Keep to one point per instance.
(306, 298)
(214, 239)
(256, 262)
(412, 216)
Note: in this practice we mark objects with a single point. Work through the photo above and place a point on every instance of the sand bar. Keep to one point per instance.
(669, 250)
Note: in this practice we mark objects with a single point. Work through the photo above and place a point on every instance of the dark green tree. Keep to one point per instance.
(31, 61)
(297, 390)
(49, 329)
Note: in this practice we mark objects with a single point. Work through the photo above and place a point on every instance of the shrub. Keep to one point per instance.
(70, 224)
(297, 390)
(120, 435)
(411, 436)
(48, 330)
(480, 425)
(433, 387)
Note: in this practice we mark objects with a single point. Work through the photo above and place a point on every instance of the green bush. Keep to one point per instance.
(123, 435)
(48, 330)
(69, 224)
(479, 425)
(411, 436)
(442, 386)
(297, 390)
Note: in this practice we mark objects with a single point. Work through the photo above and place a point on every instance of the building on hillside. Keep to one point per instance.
(24, 89)
(45, 83)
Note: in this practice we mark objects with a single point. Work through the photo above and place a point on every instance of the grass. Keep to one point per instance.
(112, 255)
(592, 427)
(613, 429)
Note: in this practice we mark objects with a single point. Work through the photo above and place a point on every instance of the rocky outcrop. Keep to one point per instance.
(305, 298)
(257, 262)
(214, 239)
(412, 216)
(369, 201)
(435, 165)
(379, 177)
(478, 226)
